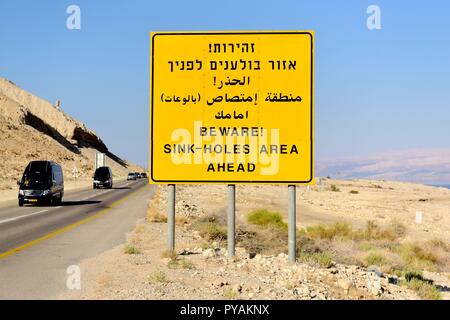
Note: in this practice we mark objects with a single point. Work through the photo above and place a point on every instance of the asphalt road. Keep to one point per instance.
(39, 243)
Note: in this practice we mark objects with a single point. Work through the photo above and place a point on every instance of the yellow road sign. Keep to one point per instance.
(231, 107)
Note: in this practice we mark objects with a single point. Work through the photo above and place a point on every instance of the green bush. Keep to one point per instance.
(324, 258)
(266, 218)
(158, 276)
(340, 230)
(424, 289)
(129, 249)
(417, 258)
(375, 259)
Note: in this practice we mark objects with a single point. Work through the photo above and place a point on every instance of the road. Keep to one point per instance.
(39, 243)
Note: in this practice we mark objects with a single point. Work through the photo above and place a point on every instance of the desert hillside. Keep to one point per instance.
(34, 129)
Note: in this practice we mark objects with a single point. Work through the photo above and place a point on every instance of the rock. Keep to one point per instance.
(393, 280)
(321, 296)
(374, 284)
(344, 284)
(375, 291)
(282, 256)
(219, 283)
(237, 288)
(240, 251)
(375, 270)
(209, 253)
(257, 289)
(334, 271)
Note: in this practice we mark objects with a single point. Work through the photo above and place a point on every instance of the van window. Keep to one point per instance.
(57, 174)
(102, 173)
(37, 175)
(37, 167)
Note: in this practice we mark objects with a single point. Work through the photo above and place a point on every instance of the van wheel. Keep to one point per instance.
(59, 199)
(20, 203)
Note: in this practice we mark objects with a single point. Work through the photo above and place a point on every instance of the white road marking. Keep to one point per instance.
(20, 217)
(42, 211)
(96, 193)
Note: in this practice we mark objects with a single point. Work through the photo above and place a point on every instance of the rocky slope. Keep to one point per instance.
(32, 128)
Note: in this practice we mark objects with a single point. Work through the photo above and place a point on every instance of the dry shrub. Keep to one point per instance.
(341, 230)
(334, 188)
(211, 228)
(140, 228)
(156, 197)
(269, 240)
(374, 232)
(180, 220)
(418, 257)
(158, 276)
(154, 215)
(425, 288)
(169, 254)
(212, 231)
(323, 258)
(180, 263)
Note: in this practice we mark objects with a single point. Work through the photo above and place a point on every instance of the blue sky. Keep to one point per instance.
(375, 90)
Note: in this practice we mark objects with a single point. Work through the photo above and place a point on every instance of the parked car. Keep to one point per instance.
(144, 175)
(131, 176)
(42, 181)
(138, 175)
(103, 178)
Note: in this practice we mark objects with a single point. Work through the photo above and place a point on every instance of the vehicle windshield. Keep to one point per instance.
(37, 176)
(101, 173)
(131, 174)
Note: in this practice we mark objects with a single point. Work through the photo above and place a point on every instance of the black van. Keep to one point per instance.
(42, 181)
(103, 178)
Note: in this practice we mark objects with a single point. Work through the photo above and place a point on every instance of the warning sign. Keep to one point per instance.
(231, 107)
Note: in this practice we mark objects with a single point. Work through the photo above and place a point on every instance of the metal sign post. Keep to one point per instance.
(231, 220)
(171, 219)
(292, 224)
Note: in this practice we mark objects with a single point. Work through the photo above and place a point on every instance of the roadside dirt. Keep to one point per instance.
(143, 269)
